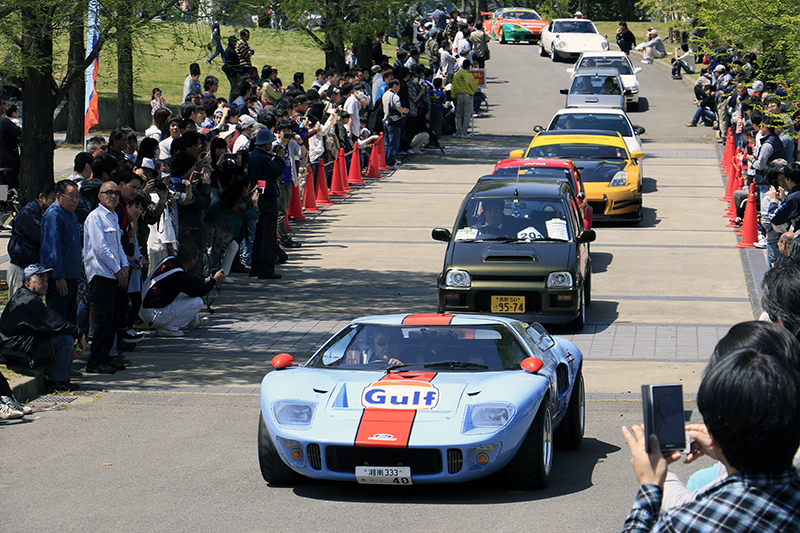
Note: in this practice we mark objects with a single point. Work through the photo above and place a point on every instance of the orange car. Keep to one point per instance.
(516, 24)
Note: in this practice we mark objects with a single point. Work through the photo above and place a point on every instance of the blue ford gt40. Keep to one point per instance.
(402, 399)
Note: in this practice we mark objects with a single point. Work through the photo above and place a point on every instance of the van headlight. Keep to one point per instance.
(457, 278)
(559, 280)
(620, 179)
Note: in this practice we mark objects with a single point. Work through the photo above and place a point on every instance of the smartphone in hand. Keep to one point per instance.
(664, 417)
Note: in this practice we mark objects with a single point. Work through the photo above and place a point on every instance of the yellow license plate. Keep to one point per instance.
(508, 304)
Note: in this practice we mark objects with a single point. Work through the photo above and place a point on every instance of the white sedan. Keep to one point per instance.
(607, 119)
(619, 61)
(569, 38)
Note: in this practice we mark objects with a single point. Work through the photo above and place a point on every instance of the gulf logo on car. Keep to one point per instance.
(415, 395)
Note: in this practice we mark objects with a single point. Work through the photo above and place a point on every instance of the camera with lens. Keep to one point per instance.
(160, 185)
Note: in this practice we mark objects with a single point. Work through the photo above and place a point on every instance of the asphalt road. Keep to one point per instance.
(165, 461)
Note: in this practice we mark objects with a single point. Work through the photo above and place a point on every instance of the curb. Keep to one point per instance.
(30, 386)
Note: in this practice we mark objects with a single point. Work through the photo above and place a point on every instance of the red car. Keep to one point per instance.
(549, 169)
(516, 24)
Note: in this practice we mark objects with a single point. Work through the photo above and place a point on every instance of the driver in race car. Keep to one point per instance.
(387, 346)
(495, 222)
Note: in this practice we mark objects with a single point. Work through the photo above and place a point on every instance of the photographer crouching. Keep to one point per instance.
(172, 297)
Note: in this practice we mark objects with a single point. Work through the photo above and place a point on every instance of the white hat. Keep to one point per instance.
(148, 163)
(246, 121)
(758, 85)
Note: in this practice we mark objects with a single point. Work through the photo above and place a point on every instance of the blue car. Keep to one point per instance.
(416, 398)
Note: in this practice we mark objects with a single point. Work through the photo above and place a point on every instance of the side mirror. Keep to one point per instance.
(637, 154)
(531, 364)
(537, 128)
(564, 91)
(581, 196)
(638, 130)
(587, 235)
(571, 70)
(441, 234)
(282, 360)
(516, 154)
(637, 70)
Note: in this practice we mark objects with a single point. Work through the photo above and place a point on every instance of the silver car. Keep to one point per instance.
(596, 88)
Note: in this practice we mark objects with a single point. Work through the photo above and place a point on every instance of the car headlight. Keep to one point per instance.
(634, 90)
(489, 416)
(620, 179)
(559, 280)
(457, 278)
(562, 44)
(293, 413)
(604, 44)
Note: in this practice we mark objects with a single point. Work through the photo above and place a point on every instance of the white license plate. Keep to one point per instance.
(384, 475)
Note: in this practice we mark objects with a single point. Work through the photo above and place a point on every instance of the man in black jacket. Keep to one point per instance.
(26, 236)
(172, 297)
(33, 334)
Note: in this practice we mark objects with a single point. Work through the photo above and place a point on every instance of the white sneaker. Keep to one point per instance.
(228, 280)
(762, 242)
(164, 332)
(197, 323)
(26, 410)
(647, 61)
(7, 409)
(456, 135)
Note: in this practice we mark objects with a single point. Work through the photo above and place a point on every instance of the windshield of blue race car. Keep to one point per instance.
(513, 220)
(436, 348)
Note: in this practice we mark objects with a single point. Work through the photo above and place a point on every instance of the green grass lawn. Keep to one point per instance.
(161, 64)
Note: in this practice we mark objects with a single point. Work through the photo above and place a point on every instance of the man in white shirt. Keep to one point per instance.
(107, 271)
(353, 106)
(653, 48)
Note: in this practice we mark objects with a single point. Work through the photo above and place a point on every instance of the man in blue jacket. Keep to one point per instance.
(26, 236)
(61, 250)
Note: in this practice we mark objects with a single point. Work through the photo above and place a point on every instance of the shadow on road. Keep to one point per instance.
(644, 105)
(572, 473)
(600, 261)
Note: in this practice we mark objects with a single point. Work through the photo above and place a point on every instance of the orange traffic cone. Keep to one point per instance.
(728, 153)
(342, 162)
(337, 183)
(749, 231)
(372, 166)
(354, 178)
(322, 187)
(381, 153)
(732, 179)
(295, 209)
(309, 198)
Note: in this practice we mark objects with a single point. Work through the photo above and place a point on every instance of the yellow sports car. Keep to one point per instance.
(612, 176)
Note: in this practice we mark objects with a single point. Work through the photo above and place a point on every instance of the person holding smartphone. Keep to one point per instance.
(266, 167)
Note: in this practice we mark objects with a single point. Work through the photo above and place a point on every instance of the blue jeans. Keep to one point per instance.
(393, 134)
(705, 113)
(218, 51)
(680, 65)
(64, 347)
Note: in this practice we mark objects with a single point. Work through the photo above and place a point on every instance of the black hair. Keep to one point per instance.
(312, 95)
(194, 69)
(330, 73)
(792, 172)
(46, 189)
(186, 123)
(437, 83)
(781, 296)
(81, 160)
(267, 118)
(187, 251)
(124, 165)
(285, 125)
(139, 199)
(147, 148)
(392, 83)
(266, 71)
(61, 187)
(116, 134)
(182, 162)
(187, 108)
(244, 87)
(771, 173)
(750, 403)
(210, 106)
(173, 118)
(209, 81)
(103, 164)
(346, 89)
(767, 337)
(125, 177)
(10, 110)
(298, 76)
(231, 194)
(244, 32)
(318, 72)
(466, 64)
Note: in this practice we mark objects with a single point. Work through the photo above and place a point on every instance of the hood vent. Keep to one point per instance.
(509, 259)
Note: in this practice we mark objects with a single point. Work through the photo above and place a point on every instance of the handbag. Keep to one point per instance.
(487, 56)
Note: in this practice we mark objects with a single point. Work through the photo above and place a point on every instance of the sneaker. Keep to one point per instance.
(164, 332)
(762, 242)
(75, 374)
(691, 125)
(456, 135)
(197, 323)
(7, 409)
(647, 61)
(391, 167)
(131, 335)
(227, 280)
(677, 77)
(26, 410)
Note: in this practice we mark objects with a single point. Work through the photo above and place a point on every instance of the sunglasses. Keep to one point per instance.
(115, 193)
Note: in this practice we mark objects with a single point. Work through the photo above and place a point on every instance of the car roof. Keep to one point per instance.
(493, 186)
(536, 162)
(519, 9)
(438, 319)
(596, 72)
(598, 110)
(610, 138)
(606, 53)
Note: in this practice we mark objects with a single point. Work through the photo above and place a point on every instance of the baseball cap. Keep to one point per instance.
(246, 121)
(37, 268)
(219, 112)
(719, 68)
(148, 163)
(758, 85)
(264, 137)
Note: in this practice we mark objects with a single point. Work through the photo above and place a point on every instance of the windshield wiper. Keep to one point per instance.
(454, 364)
(548, 239)
(395, 367)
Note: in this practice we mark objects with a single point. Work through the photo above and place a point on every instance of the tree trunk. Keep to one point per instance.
(125, 115)
(77, 93)
(37, 136)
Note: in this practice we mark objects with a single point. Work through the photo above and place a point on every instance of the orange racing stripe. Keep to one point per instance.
(394, 422)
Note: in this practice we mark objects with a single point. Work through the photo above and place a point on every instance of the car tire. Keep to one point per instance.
(633, 106)
(531, 466)
(569, 434)
(502, 38)
(553, 53)
(577, 323)
(542, 51)
(273, 469)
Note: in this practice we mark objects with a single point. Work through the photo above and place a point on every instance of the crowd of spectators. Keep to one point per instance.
(142, 231)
